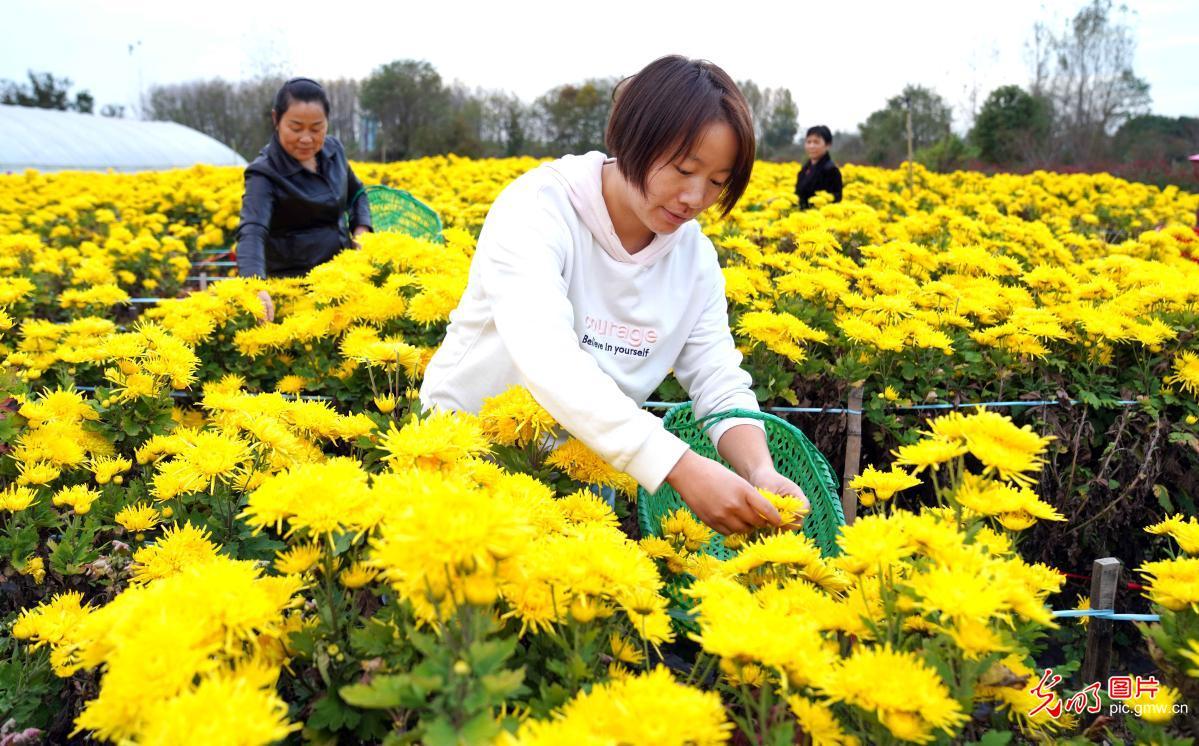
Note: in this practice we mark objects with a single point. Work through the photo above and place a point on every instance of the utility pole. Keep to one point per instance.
(907, 100)
(137, 108)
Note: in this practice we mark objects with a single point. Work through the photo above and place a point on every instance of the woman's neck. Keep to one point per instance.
(633, 235)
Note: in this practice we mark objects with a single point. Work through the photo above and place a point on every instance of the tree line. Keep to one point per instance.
(404, 109)
(1083, 107)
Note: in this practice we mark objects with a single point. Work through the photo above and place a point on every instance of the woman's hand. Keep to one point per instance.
(722, 500)
(766, 478)
(358, 232)
(268, 305)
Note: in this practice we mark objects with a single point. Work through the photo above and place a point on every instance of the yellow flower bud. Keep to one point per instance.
(480, 589)
(582, 609)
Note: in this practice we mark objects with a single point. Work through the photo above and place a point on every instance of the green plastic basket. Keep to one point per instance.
(794, 457)
(397, 210)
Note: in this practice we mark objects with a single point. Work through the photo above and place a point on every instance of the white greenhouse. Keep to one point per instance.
(49, 140)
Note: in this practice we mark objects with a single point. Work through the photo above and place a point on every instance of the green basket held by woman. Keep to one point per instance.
(397, 210)
(794, 457)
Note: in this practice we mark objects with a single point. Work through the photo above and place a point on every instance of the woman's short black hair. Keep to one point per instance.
(825, 133)
(299, 89)
(662, 111)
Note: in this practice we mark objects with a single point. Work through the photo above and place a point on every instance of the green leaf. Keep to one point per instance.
(993, 738)
(781, 734)
(482, 728)
(487, 656)
(504, 684)
(383, 693)
(259, 546)
(373, 639)
(426, 644)
(1187, 503)
(329, 713)
(1163, 498)
(441, 733)
(424, 683)
(1088, 398)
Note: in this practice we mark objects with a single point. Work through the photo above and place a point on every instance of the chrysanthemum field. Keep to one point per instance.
(217, 530)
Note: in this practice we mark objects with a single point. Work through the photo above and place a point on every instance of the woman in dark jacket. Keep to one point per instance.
(819, 174)
(298, 191)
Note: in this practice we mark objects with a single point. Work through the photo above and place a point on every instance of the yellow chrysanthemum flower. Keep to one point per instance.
(297, 559)
(138, 517)
(1174, 583)
(291, 384)
(873, 484)
(78, 497)
(514, 418)
(107, 468)
(582, 464)
(818, 722)
(178, 548)
(15, 498)
(438, 442)
(928, 453)
(904, 693)
(1002, 447)
(1183, 530)
(357, 575)
(648, 708)
(1186, 372)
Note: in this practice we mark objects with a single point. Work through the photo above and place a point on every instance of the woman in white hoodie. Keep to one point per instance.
(591, 281)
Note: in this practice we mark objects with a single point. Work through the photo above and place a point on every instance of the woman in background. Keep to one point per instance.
(298, 191)
(819, 174)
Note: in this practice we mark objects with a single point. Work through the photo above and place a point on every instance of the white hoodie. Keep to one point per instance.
(556, 304)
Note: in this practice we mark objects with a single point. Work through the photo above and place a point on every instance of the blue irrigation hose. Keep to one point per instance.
(916, 407)
(175, 394)
(1109, 614)
(1045, 403)
(810, 410)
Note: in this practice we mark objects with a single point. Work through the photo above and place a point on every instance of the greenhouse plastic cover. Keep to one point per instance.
(49, 140)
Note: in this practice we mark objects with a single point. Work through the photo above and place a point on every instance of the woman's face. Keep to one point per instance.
(815, 146)
(302, 129)
(676, 191)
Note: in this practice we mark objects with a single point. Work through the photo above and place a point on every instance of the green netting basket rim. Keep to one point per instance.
(706, 422)
(679, 419)
(370, 189)
(805, 457)
(678, 414)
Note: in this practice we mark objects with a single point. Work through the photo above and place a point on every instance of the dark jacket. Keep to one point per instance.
(293, 219)
(824, 176)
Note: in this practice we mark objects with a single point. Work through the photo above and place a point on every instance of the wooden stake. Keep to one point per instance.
(853, 453)
(1105, 579)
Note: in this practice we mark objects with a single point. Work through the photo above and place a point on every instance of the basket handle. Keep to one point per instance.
(708, 421)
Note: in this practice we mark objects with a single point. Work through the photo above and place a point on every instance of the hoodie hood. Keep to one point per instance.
(582, 177)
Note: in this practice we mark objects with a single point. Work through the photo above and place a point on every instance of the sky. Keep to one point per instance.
(841, 59)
